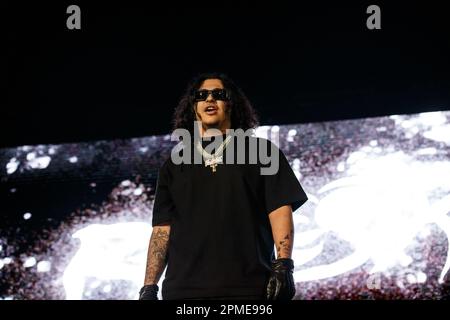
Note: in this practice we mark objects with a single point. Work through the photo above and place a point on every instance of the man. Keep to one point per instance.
(215, 224)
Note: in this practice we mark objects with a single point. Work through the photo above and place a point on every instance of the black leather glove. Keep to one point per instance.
(281, 284)
(149, 292)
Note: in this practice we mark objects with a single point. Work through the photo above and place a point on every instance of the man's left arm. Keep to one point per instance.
(281, 284)
(282, 230)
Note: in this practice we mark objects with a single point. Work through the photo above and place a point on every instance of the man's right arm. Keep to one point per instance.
(157, 254)
(156, 262)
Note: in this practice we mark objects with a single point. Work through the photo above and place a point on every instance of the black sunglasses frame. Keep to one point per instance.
(217, 94)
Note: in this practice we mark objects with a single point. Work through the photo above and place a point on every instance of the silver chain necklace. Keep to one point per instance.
(216, 158)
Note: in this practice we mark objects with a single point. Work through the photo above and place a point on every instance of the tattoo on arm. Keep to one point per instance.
(284, 247)
(157, 255)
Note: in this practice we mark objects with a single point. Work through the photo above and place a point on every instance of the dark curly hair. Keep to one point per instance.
(243, 115)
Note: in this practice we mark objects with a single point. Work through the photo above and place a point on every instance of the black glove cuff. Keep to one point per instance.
(283, 264)
(148, 291)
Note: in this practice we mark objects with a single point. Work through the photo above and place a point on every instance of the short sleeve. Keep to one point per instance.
(283, 187)
(163, 207)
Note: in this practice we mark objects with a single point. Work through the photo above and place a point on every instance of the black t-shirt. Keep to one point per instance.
(221, 242)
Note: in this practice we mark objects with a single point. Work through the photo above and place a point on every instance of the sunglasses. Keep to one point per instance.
(217, 94)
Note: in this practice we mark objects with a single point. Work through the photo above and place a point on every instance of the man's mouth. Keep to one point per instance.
(211, 110)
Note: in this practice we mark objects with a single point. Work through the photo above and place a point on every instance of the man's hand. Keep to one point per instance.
(281, 284)
(149, 292)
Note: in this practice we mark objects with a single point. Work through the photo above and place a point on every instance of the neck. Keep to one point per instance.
(211, 131)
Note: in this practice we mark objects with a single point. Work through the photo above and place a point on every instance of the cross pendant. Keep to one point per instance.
(213, 162)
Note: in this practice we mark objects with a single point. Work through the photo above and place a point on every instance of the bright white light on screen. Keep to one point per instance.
(441, 133)
(432, 118)
(44, 266)
(35, 162)
(125, 183)
(107, 252)
(275, 129)
(73, 159)
(427, 151)
(29, 262)
(341, 167)
(262, 132)
(12, 165)
(291, 135)
(7, 260)
(380, 207)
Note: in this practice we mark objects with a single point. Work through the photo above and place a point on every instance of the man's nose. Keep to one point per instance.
(210, 97)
